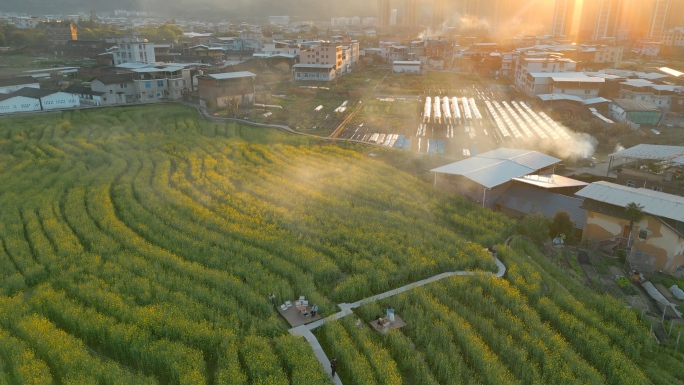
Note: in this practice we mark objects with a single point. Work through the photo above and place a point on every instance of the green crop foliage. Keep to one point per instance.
(139, 245)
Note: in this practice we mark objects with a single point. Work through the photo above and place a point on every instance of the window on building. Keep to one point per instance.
(643, 234)
(160, 83)
(148, 84)
(630, 183)
(111, 91)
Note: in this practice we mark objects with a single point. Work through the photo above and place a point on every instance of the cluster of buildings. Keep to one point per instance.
(214, 69)
(522, 182)
(23, 94)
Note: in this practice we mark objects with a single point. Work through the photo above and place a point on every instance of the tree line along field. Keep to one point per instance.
(139, 245)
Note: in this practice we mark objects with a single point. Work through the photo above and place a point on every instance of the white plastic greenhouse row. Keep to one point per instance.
(497, 120)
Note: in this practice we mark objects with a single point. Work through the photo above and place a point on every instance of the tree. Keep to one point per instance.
(561, 224)
(535, 227)
(635, 212)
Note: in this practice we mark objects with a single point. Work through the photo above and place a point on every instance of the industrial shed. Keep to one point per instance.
(635, 111)
(485, 177)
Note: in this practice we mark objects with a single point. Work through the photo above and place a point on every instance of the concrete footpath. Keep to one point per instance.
(346, 309)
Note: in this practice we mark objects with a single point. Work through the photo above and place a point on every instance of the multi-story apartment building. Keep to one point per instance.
(251, 40)
(663, 96)
(133, 50)
(143, 83)
(158, 83)
(25, 22)
(59, 32)
(227, 43)
(667, 14)
(323, 53)
(563, 15)
(533, 72)
(601, 54)
(673, 37)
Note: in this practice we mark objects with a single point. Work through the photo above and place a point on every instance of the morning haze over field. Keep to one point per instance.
(385, 192)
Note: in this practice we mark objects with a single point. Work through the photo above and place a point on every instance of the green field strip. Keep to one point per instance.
(353, 366)
(112, 225)
(228, 368)
(261, 362)
(431, 337)
(162, 320)
(121, 342)
(11, 278)
(41, 247)
(503, 344)
(384, 367)
(299, 361)
(182, 237)
(556, 359)
(17, 248)
(21, 364)
(477, 354)
(216, 225)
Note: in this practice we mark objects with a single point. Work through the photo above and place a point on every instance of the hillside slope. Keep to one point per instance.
(140, 244)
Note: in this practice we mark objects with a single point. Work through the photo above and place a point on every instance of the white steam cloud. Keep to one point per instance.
(580, 145)
(466, 22)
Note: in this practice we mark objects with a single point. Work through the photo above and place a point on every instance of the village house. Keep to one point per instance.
(658, 237)
(219, 90)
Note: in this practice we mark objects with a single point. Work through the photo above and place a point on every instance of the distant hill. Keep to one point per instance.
(208, 8)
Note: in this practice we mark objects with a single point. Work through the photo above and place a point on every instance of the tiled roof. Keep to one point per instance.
(17, 81)
(115, 79)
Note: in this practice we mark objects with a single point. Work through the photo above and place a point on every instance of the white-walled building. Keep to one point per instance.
(15, 103)
(9, 85)
(319, 72)
(529, 71)
(49, 100)
(576, 84)
(117, 89)
(323, 53)
(662, 96)
(227, 43)
(156, 83)
(673, 37)
(406, 67)
(86, 96)
(133, 50)
(568, 83)
(24, 22)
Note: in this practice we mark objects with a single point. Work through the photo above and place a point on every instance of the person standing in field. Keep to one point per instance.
(390, 314)
(333, 366)
(272, 298)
